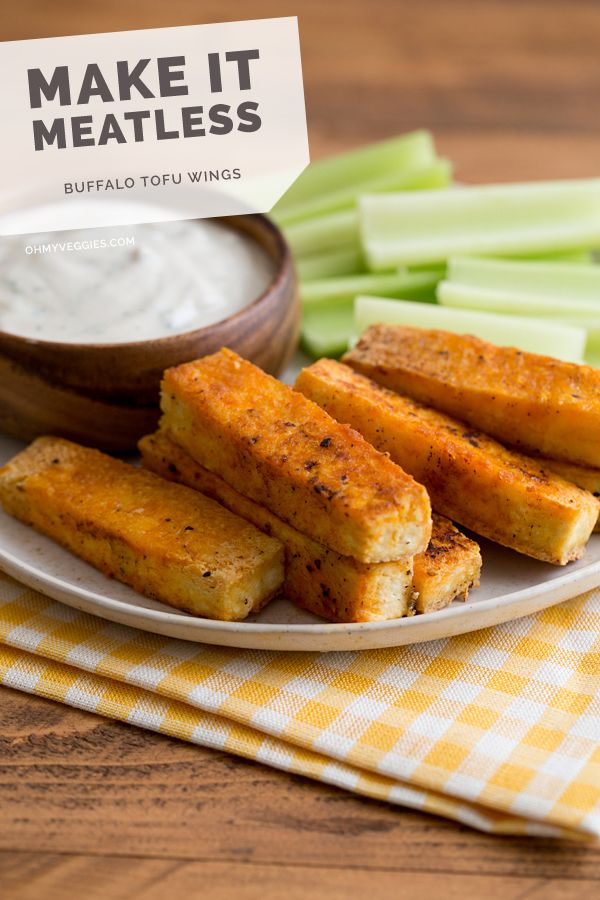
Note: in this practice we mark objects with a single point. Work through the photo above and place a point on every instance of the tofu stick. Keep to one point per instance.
(470, 478)
(538, 404)
(320, 580)
(163, 540)
(282, 451)
(317, 579)
(583, 476)
(448, 569)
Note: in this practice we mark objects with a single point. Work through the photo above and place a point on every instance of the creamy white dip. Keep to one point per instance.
(175, 277)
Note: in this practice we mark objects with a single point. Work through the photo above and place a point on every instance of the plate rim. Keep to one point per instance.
(37, 579)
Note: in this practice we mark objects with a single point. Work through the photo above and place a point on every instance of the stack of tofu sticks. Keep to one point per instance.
(360, 543)
(325, 492)
(359, 540)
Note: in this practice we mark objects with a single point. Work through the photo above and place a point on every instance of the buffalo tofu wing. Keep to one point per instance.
(538, 404)
(163, 540)
(278, 448)
(470, 478)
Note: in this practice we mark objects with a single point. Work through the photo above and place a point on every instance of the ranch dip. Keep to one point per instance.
(171, 278)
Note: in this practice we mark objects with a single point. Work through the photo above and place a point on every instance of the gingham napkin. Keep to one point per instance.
(498, 729)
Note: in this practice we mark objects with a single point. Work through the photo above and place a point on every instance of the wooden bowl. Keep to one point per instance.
(106, 395)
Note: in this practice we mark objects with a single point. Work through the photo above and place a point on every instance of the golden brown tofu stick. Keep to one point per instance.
(470, 477)
(448, 569)
(164, 540)
(276, 447)
(541, 405)
(320, 580)
(583, 476)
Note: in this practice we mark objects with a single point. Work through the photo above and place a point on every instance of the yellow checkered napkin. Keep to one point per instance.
(499, 729)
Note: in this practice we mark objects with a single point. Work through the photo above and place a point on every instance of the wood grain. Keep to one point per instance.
(82, 795)
(95, 809)
(510, 88)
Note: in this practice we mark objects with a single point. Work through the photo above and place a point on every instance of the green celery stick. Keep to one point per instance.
(515, 302)
(338, 231)
(438, 174)
(495, 220)
(328, 176)
(326, 329)
(566, 257)
(440, 268)
(556, 339)
(592, 345)
(563, 256)
(566, 281)
(591, 325)
(559, 307)
(334, 264)
(328, 305)
(389, 284)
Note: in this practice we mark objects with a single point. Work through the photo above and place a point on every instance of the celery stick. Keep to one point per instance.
(564, 256)
(592, 359)
(436, 175)
(326, 329)
(471, 296)
(592, 351)
(328, 176)
(393, 284)
(328, 305)
(591, 325)
(592, 346)
(535, 335)
(560, 310)
(566, 281)
(334, 264)
(338, 231)
(513, 219)
(440, 268)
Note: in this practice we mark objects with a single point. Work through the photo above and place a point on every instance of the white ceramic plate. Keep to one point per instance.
(511, 586)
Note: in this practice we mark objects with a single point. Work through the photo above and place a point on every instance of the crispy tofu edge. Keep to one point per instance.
(449, 568)
(584, 477)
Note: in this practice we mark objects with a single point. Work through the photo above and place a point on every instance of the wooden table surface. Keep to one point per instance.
(92, 808)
